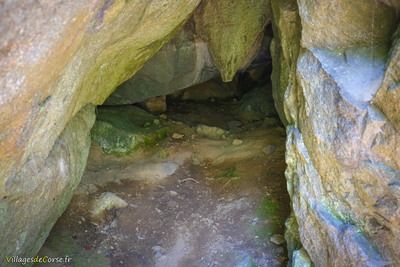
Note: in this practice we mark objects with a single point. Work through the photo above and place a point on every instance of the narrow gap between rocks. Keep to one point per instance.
(192, 178)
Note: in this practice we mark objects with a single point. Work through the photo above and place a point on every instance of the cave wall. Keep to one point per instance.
(335, 84)
(343, 151)
(58, 57)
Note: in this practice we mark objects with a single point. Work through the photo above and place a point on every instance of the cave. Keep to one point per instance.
(182, 176)
(200, 133)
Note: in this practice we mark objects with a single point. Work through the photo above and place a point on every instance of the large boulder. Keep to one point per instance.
(343, 155)
(349, 153)
(233, 30)
(56, 57)
(39, 193)
(183, 62)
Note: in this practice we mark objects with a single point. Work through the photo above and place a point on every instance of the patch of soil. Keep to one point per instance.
(191, 202)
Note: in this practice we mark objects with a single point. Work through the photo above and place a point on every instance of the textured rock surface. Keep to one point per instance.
(233, 31)
(342, 153)
(121, 130)
(57, 56)
(341, 24)
(388, 96)
(33, 205)
(285, 50)
(183, 62)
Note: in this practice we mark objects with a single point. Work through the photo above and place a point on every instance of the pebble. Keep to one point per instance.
(173, 193)
(237, 142)
(177, 136)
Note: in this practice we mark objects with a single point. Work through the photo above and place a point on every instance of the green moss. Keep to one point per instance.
(230, 172)
(268, 212)
(121, 130)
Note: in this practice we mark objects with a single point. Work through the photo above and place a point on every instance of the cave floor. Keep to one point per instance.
(191, 200)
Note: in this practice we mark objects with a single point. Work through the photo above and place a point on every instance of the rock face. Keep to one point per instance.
(285, 50)
(183, 62)
(233, 31)
(41, 190)
(388, 97)
(57, 56)
(343, 154)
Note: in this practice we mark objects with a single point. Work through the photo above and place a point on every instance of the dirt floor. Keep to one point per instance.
(190, 200)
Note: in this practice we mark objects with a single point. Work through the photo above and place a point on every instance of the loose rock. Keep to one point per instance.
(237, 142)
(104, 202)
(210, 131)
(177, 136)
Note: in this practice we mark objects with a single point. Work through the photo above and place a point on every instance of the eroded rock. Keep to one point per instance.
(342, 155)
(233, 31)
(39, 193)
(183, 62)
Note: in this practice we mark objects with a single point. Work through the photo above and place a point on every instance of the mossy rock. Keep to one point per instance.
(233, 30)
(121, 130)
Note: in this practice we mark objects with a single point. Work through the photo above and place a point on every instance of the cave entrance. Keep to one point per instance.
(192, 178)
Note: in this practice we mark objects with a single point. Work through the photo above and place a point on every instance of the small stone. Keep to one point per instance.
(269, 149)
(163, 116)
(173, 193)
(210, 131)
(277, 239)
(156, 104)
(106, 201)
(237, 142)
(177, 136)
(156, 122)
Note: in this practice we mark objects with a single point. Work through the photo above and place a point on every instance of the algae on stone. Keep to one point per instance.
(233, 31)
(121, 130)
